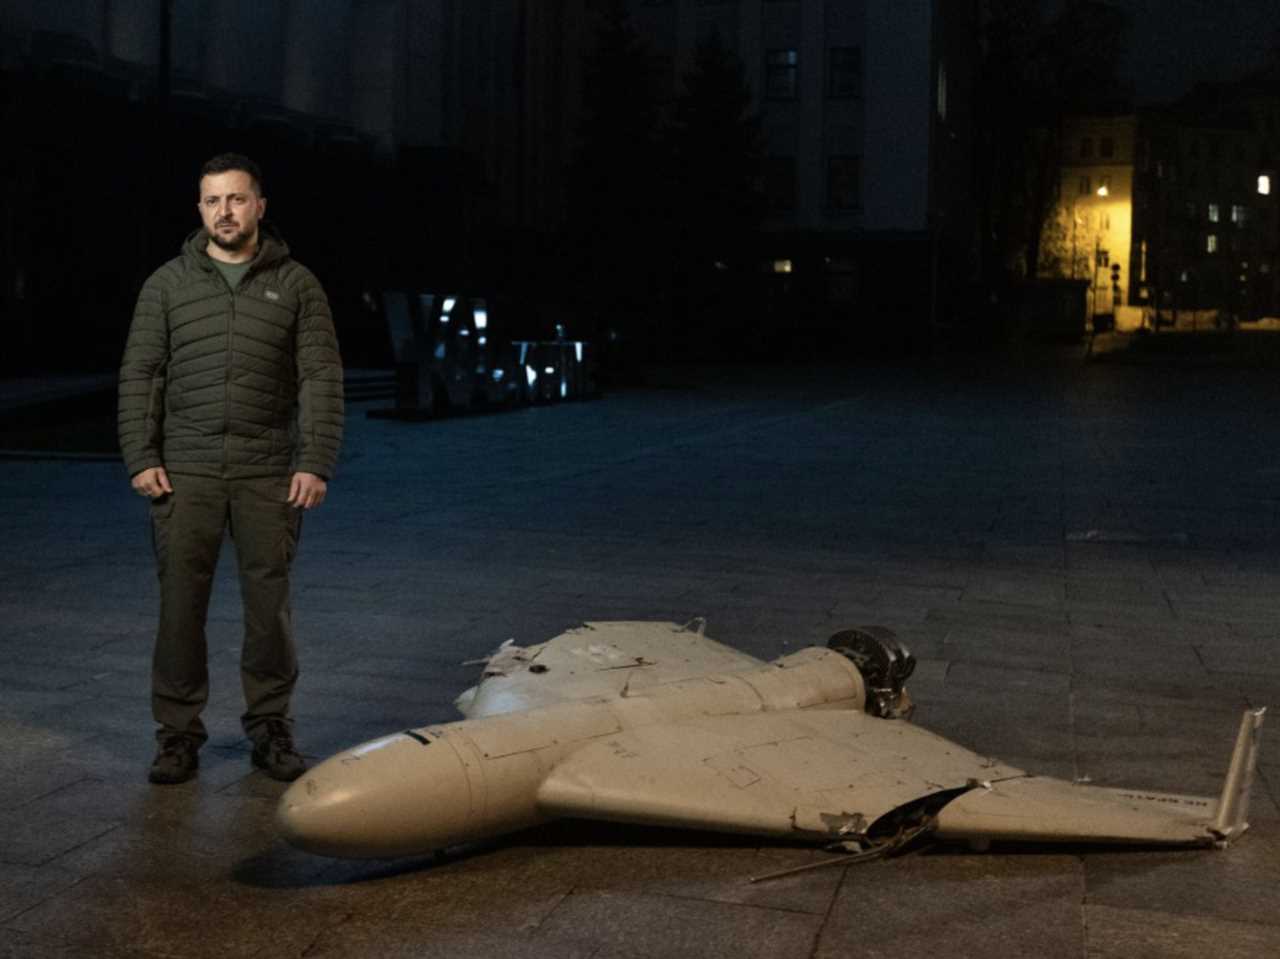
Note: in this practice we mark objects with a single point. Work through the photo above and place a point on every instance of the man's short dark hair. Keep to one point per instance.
(225, 162)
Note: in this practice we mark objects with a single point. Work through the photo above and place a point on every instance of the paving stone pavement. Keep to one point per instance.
(1086, 560)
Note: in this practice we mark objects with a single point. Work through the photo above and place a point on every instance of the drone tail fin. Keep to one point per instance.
(1233, 806)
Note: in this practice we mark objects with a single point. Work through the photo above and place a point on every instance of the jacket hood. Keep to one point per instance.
(271, 247)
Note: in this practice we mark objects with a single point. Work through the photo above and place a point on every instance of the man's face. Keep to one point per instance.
(230, 209)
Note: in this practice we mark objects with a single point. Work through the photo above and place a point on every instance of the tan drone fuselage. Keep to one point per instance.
(438, 786)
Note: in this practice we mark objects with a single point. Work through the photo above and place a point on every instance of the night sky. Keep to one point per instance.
(1176, 44)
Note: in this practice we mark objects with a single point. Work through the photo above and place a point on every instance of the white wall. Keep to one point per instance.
(898, 86)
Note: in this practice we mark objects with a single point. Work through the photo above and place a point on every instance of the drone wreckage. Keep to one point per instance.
(653, 723)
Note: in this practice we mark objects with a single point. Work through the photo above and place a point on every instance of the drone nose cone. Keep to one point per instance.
(400, 795)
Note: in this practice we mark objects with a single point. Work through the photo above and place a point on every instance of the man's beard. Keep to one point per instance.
(232, 244)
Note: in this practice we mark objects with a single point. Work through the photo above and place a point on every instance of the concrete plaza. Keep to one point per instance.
(1085, 559)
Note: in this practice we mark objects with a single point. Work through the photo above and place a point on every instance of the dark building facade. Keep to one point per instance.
(448, 128)
(406, 143)
(1171, 214)
(867, 112)
(1206, 219)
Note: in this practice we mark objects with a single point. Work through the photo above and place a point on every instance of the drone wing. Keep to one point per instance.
(1050, 810)
(830, 775)
(808, 774)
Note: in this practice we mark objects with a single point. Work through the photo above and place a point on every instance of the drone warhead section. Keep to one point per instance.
(654, 723)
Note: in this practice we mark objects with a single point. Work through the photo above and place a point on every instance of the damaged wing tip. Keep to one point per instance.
(696, 625)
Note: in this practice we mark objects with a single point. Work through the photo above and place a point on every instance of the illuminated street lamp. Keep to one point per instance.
(1103, 191)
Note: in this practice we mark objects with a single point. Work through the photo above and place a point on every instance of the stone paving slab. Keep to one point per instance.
(1010, 905)
(1113, 933)
(1083, 558)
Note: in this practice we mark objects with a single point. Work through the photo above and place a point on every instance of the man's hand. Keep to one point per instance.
(306, 490)
(152, 482)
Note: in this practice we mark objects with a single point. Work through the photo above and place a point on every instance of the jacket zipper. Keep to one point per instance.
(226, 384)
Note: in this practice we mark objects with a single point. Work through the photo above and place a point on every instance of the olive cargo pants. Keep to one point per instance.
(187, 528)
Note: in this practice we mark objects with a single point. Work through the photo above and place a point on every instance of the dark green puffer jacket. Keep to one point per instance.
(229, 384)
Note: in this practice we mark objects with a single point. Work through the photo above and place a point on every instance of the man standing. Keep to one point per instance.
(230, 419)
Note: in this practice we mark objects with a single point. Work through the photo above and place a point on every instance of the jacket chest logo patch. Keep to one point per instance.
(271, 295)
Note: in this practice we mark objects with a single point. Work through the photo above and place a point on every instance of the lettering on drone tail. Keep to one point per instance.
(1167, 800)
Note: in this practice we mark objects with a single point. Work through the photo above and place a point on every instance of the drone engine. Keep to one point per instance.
(884, 664)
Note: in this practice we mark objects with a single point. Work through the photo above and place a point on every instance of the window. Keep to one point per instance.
(780, 183)
(1084, 186)
(781, 74)
(844, 72)
(1107, 147)
(1239, 214)
(1211, 244)
(1191, 212)
(1264, 184)
(1086, 147)
(1214, 213)
(843, 173)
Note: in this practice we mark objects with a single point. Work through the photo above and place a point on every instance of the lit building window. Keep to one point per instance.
(1239, 214)
(844, 72)
(781, 266)
(1211, 244)
(1213, 213)
(781, 74)
(1264, 184)
(1142, 262)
